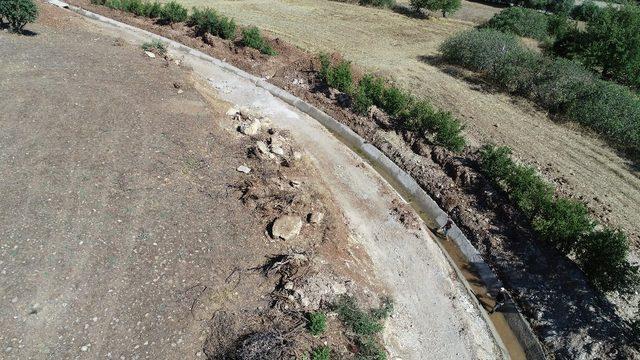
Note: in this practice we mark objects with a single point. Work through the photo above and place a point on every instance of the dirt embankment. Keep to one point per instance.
(548, 286)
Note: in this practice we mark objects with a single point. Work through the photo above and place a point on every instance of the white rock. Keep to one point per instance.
(266, 122)
(251, 128)
(286, 227)
(180, 91)
(277, 150)
(305, 302)
(243, 169)
(262, 147)
(288, 285)
(276, 141)
(297, 155)
(316, 217)
(232, 111)
(150, 54)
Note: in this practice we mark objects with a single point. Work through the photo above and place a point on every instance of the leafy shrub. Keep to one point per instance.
(325, 64)
(377, 3)
(209, 21)
(559, 25)
(361, 102)
(173, 12)
(18, 13)
(563, 224)
(562, 7)
(419, 117)
(369, 349)
(339, 77)
(395, 100)
(155, 46)
(360, 322)
(611, 110)
(114, 4)
(560, 85)
(445, 6)
(611, 42)
(227, 29)
(449, 131)
(317, 323)
(251, 37)
(479, 50)
(151, 9)
(585, 11)
(603, 257)
(321, 353)
(373, 88)
(98, 2)
(133, 6)
(520, 21)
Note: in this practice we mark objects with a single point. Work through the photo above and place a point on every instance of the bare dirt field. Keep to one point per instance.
(405, 49)
(128, 233)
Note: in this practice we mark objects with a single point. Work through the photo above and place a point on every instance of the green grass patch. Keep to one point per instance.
(321, 353)
(155, 46)
(317, 323)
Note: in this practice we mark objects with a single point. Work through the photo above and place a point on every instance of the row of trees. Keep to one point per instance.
(610, 44)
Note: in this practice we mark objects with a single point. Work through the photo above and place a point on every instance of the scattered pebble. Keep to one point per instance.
(243, 169)
(150, 54)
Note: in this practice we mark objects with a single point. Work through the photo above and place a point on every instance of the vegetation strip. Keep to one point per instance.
(205, 22)
(564, 223)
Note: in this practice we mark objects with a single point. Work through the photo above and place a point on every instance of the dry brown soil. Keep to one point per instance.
(405, 48)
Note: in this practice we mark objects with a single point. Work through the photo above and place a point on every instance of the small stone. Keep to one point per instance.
(315, 217)
(180, 91)
(243, 169)
(265, 121)
(297, 155)
(295, 183)
(286, 227)
(276, 141)
(262, 147)
(288, 285)
(232, 111)
(305, 302)
(84, 348)
(150, 54)
(277, 150)
(251, 128)
(248, 113)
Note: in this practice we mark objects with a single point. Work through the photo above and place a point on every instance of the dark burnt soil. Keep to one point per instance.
(571, 318)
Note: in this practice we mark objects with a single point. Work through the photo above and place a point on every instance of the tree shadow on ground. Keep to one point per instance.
(408, 11)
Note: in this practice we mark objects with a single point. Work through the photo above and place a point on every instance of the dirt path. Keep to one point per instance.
(400, 47)
(117, 205)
